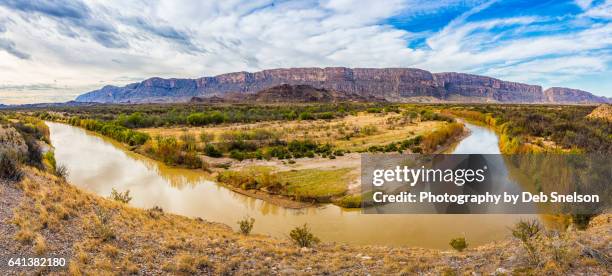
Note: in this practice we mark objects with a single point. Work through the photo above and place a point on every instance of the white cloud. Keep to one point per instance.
(189, 38)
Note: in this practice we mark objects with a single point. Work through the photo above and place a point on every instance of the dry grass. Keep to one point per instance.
(173, 244)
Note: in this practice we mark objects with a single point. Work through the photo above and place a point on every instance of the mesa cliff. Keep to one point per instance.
(391, 84)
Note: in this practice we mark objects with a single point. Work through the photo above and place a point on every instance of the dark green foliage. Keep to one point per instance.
(201, 118)
(110, 129)
(458, 244)
(212, 151)
(306, 116)
(302, 237)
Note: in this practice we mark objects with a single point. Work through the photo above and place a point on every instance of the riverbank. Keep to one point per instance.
(44, 214)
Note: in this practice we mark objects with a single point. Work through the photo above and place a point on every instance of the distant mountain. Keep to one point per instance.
(300, 93)
(392, 84)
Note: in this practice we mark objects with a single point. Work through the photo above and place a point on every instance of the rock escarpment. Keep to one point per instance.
(568, 95)
(392, 84)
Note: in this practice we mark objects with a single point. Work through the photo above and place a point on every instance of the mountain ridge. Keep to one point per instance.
(392, 84)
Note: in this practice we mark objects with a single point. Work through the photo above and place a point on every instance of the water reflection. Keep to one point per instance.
(98, 164)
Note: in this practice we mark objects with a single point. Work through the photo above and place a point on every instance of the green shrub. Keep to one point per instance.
(458, 244)
(527, 232)
(302, 237)
(212, 151)
(121, 197)
(246, 225)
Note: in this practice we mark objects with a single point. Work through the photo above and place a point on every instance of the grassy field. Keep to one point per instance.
(351, 133)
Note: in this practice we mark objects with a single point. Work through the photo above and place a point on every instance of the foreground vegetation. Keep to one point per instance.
(43, 215)
(48, 217)
(528, 128)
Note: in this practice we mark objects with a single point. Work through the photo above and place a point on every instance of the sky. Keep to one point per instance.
(54, 50)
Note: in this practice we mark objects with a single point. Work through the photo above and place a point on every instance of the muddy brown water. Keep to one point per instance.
(98, 164)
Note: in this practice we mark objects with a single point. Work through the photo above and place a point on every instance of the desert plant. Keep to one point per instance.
(581, 221)
(212, 151)
(155, 212)
(61, 171)
(527, 232)
(246, 225)
(102, 225)
(9, 169)
(121, 197)
(458, 244)
(302, 236)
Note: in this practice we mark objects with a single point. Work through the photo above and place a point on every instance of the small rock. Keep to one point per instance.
(267, 259)
(366, 257)
(305, 249)
(501, 270)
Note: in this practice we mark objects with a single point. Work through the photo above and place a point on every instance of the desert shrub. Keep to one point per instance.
(306, 116)
(102, 225)
(212, 151)
(527, 232)
(374, 110)
(325, 115)
(581, 221)
(61, 171)
(458, 244)
(246, 225)
(155, 212)
(9, 168)
(302, 237)
(121, 197)
(206, 118)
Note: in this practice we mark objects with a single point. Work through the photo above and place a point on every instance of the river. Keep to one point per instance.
(98, 164)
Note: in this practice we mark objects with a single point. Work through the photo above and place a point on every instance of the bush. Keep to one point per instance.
(61, 171)
(246, 225)
(302, 237)
(527, 232)
(458, 244)
(212, 151)
(9, 169)
(581, 221)
(121, 197)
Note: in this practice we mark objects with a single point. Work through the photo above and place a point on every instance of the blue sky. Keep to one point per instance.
(55, 50)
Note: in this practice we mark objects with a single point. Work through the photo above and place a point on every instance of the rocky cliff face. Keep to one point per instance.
(393, 84)
(568, 95)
